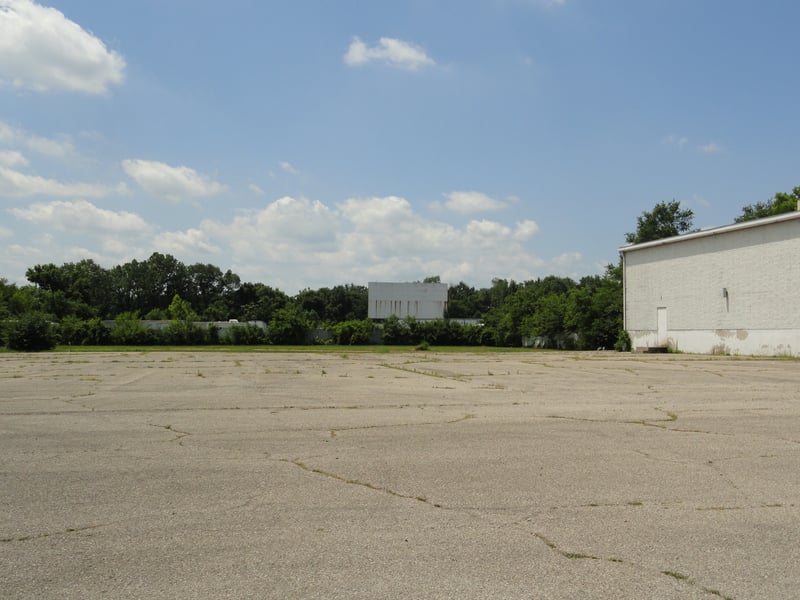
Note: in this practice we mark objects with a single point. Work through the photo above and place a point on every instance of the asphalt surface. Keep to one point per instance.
(414, 475)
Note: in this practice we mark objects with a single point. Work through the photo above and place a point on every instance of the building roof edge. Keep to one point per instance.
(712, 231)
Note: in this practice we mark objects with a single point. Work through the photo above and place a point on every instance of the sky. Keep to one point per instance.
(308, 143)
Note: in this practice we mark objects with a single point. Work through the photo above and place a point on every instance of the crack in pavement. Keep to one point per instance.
(656, 423)
(572, 555)
(180, 434)
(584, 556)
(334, 432)
(27, 538)
(357, 482)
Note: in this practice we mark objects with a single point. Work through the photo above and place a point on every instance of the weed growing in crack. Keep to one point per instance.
(676, 575)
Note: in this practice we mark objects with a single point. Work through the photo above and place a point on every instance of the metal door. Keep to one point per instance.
(662, 326)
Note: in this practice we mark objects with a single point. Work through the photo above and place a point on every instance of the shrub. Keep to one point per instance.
(353, 332)
(623, 343)
(30, 332)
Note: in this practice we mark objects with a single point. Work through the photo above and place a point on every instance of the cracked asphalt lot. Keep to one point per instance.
(398, 475)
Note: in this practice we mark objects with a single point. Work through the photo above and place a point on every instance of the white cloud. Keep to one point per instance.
(291, 243)
(56, 148)
(391, 51)
(472, 202)
(5, 233)
(675, 140)
(294, 243)
(170, 183)
(80, 216)
(288, 168)
(19, 185)
(42, 50)
(526, 230)
(255, 189)
(711, 148)
(192, 241)
(12, 158)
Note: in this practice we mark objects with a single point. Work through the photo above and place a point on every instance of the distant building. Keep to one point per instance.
(726, 290)
(423, 301)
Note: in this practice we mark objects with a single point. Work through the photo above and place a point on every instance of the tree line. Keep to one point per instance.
(68, 304)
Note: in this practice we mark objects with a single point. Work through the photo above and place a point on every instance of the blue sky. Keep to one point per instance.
(312, 143)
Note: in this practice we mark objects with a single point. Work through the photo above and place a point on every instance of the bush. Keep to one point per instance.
(30, 332)
(130, 331)
(623, 343)
(395, 331)
(353, 332)
(246, 334)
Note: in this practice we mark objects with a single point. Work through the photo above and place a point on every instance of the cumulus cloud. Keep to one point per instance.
(526, 230)
(255, 189)
(390, 51)
(170, 183)
(19, 185)
(472, 202)
(42, 50)
(81, 216)
(294, 243)
(181, 243)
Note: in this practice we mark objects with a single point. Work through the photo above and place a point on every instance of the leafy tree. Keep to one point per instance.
(288, 325)
(7, 291)
(779, 204)
(594, 309)
(547, 319)
(207, 285)
(463, 302)
(255, 302)
(667, 219)
(334, 305)
(182, 328)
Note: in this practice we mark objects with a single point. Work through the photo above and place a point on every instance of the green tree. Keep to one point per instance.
(779, 204)
(594, 309)
(667, 219)
(255, 302)
(463, 302)
(182, 328)
(547, 320)
(288, 325)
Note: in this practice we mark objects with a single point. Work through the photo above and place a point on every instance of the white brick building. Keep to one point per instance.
(423, 301)
(727, 290)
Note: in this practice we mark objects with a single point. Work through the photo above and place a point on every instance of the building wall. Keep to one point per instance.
(733, 291)
(423, 301)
